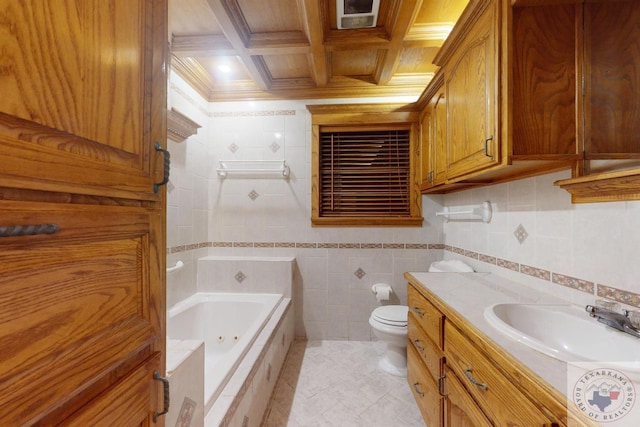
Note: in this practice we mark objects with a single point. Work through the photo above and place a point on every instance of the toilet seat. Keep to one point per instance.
(391, 315)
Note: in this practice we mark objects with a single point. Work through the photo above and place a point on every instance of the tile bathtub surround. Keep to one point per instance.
(247, 393)
(337, 383)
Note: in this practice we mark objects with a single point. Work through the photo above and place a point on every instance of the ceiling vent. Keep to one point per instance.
(357, 13)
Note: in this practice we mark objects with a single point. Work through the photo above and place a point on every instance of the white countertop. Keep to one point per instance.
(470, 294)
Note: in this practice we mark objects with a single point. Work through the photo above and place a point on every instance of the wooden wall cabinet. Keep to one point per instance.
(610, 109)
(82, 295)
(434, 140)
(509, 85)
(468, 381)
(470, 75)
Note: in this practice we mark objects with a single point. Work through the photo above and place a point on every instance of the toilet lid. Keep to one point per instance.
(394, 315)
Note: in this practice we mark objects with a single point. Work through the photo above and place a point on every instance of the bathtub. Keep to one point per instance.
(228, 324)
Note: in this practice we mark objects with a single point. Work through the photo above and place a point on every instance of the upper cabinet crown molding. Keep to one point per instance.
(179, 126)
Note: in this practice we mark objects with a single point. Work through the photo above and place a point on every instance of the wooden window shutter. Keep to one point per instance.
(365, 174)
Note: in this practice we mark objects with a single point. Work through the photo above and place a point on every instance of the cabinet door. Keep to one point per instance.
(460, 410)
(426, 136)
(612, 85)
(424, 388)
(439, 150)
(80, 309)
(471, 94)
(83, 96)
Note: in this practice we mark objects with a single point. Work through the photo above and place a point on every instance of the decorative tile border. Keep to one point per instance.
(311, 245)
(535, 272)
(625, 297)
(619, 295)
(572, 282)
(604, 291)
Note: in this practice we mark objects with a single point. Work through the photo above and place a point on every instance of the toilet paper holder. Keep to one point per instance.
(381, 291)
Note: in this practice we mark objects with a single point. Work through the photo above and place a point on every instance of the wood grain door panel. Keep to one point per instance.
(76, 112)
(424, 388)
(75, 304)
(130, 402)
(472, 101)
(500, 399)
(460, 410)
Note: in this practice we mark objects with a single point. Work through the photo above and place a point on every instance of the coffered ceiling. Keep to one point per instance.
(292, 49)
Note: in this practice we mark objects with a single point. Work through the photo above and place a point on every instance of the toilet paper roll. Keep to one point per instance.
(382, 293)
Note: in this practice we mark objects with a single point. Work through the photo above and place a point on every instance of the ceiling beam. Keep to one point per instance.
(311, 17)
(405, 16)
(237, 32)
(205, 45)
(202, 45)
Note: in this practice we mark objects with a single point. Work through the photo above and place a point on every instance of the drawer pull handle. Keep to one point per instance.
(165, 383)
(28, 230)
(417, 311)
(483, 386)
(415, 387)
(416, 342)
(486, 147)
(440, 382)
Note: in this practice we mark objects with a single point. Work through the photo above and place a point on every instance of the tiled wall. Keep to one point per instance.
(537, 235)
(270, 216)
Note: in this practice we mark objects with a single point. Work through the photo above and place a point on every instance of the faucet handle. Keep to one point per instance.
(634, 318)
(609, 305)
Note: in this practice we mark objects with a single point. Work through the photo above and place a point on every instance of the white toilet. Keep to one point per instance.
(389, 323)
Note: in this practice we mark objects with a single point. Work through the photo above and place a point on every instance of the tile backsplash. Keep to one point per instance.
(536, 235)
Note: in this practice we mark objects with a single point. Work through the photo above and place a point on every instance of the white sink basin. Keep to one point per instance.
(565, 332)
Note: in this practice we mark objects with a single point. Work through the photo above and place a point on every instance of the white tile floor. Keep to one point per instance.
(338, 383)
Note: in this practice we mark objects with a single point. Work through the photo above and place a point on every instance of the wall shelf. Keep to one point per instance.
(615, 186)
(253, 168)
(480, 212)
(179, 126)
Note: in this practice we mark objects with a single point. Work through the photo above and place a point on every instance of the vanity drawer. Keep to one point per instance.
(424, 389)
(426, 315)
(430, 354)
(493, 391)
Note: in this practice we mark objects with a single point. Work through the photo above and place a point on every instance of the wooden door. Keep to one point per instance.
(82, 260)
(81, 102)
(471, 76)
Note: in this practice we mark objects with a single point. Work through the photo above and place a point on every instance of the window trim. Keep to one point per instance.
(361, 117)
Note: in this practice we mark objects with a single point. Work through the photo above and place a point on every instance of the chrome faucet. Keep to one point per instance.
(616, 320)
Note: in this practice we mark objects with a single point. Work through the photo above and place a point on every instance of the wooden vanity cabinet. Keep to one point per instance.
(454, 373)
(425, 358)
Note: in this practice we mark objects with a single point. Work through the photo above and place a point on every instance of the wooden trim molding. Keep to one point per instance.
(179, 126)
(614, 186)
